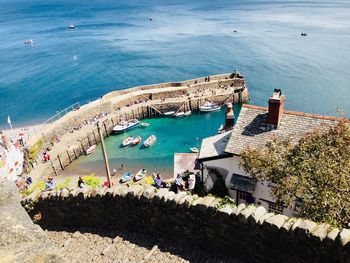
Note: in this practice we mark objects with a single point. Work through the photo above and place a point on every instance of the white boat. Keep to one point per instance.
(209, 106)
(125, 125)
(127, 141)
(221, 129)
(29, 42)
(194, 150)
(140, 175)
(91, 149)
(71, 26)
(137, 140)
(179, 114)
(144, 124)
(187, 113)
(150, 141)
(169, 113)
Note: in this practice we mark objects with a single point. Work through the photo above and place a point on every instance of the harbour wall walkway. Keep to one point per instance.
(139, 102)
(246, 232)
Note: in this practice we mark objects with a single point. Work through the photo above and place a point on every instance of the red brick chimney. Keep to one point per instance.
(276, 107)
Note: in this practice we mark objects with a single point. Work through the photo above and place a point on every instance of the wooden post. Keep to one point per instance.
(94, 136)
(70, 159)
(112, 122)
(75, 153)
(88, 137)
(104, 125)
(59, 160)
(54, 168)
(105, 158)
(82, 146)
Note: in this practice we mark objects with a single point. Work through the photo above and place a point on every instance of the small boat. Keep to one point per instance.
(71, 26)
(169, 113)
(209, 106)
(150, 141)
(221, 129)
(137, 140)
(29, 42)
(187, 113)
(127, 141)
(126, 177)
(179, 114)
(144, 124)
(91, 149)
(140, 175)
(125, 125)
(194, 150)
(303, 34)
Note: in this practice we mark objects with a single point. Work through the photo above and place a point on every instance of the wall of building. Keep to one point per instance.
(247, 232)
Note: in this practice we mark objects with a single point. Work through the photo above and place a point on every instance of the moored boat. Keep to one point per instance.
(150, 141)
(71, 26)
(126, 177)
(125, 125)
(169, 113)
(91, 149)
(29, 42)
(144, 124)
(179, 114)
(127, 141)
(209, 106)
(140, 175)
(187, 113)
(137, 140)
(194, 150)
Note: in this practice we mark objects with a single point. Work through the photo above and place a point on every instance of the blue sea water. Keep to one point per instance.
(115, 46)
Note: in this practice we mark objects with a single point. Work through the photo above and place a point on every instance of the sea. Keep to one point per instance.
(121, 44)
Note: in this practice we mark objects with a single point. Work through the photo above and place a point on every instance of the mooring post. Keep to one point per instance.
(59, 160)
(75, 153)
(104, 125)
(94, 136)
(88, 137)
(70, 159)
(105, 158)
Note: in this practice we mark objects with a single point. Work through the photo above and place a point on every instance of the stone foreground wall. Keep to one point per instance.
(20, 239)
(247, 232)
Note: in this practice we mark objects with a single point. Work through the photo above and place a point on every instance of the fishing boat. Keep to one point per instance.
(209, 106)
(221, 129)
(144, 124)
(137, 140)
(179, 114)
(140, 174)
(29, 42)
(150, 141)
(126, 177)
(194, 150)
(91, 149)
(169, 113)
(187, 113)
(71, 26)
(127, 141)
(125, 125)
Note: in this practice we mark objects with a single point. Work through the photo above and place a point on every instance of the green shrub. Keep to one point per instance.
(35, 149)
(38, 186)
(219, 188)
(92, 180)
(66, 184)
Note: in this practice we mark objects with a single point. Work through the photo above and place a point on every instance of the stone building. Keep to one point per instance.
(255, 126)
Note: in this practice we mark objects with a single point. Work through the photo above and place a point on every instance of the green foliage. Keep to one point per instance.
(226, 201)
(201, 189)
(35, 149)
(92, 180)
(66, 184)
(316, 171)
(38, 186)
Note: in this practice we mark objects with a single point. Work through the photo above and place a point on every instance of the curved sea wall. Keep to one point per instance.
(248, 232)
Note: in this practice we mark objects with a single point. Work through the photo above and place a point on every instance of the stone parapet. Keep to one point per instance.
(247, 232)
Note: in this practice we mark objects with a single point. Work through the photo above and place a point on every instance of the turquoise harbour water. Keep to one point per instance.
(115, 46)
(173, 135)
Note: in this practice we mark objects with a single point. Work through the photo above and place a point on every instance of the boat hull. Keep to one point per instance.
(209, 109)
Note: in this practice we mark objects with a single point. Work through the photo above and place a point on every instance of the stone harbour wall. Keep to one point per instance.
(247, 232)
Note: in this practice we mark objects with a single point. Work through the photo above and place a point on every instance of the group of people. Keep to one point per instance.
(24, 183)
(184, 182)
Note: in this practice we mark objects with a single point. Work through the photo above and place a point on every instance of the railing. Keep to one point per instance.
(61, 113)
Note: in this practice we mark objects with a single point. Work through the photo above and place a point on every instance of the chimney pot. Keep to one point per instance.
(276, 107)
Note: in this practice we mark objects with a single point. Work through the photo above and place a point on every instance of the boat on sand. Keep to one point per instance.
(91, 149)
(150, 141)
(126, 177)
(127, 141)
(137, 140)
(140, 174)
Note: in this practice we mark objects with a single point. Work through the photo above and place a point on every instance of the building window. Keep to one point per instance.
(246, 197)
(242, 195)
(274, 208)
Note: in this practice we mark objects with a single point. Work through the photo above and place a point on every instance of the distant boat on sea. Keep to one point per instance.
(29, 42)
(71, 26)
(303, 34)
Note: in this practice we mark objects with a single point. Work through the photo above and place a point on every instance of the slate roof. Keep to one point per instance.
(252, 129)
(214, 145)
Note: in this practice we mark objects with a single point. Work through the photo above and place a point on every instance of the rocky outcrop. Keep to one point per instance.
(245, 232)
(20, 239)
